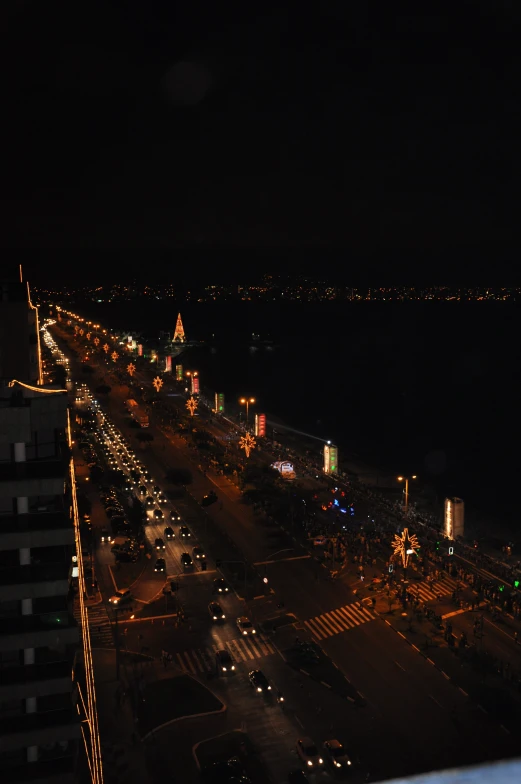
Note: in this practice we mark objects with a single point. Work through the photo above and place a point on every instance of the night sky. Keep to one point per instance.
(147, 127)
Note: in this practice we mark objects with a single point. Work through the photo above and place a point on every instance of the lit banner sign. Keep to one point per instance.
(285, 469)
(219, 402)
(178, 372)
(140, 349)
(168, 364)
(195, 385)
(260, 425)
(330, 459)
(454, 521)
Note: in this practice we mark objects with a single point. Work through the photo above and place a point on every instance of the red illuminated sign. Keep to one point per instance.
(260, 425)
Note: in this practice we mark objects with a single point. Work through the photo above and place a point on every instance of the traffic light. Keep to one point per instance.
(517, 583)
(437, 545)
(501, 588)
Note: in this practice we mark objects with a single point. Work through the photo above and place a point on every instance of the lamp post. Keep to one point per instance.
(406, 480)
(191, 375)
(247, 401)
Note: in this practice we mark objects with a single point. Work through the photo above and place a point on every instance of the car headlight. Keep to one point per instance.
(310, 763)
(224, 669)
(259, 688)
(245, 632)
(348, 762)
(215, 617)
(320, 761)
(338, 764)
(232, 667)
(269, 688)
(253, 631)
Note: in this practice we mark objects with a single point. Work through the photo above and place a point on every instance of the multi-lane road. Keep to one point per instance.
(411, 718)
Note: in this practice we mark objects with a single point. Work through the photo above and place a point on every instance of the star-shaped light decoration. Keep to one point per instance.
(191, 405)
(88, 335)
(114, 356)
(76, 329)
(106, 348)
(405, 546)
(81, 332)
(247, 443)
(96, 341)
(157, 383)
(131, 368)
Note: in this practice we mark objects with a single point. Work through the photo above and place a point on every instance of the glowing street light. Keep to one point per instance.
(247, 443)
(157, 383)
(247, 401)
(406, 480)
(191, 405)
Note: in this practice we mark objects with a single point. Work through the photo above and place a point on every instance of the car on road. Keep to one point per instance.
(184, 532)
(149, 502)
(259, 681)
(106, 536)
(142, 490)
(198, 553)
(169, 533)
(186, 560)
(245, 626)
(148, 476)
(158, 514)
(174, 517)
(159, 544)
(219, 586)
(156, 490)
(336, 755)
(320, 541)
(160, 565)
(121, 597)
(308, 753)
(216, 612)
(209, 499)
(224, 661)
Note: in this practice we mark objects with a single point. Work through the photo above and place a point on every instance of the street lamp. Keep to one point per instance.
(246, 401)
(406, 480)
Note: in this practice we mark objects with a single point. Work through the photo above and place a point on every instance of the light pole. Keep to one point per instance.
(191, 375)
(246, 401)
(406, 480)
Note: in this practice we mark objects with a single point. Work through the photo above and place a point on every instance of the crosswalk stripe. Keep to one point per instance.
(235, 651)
(188, 654)
(351, 616)
(315, 629)
(321, 625)
(334, 623)
(196, 657)
(346, 623)
(365, 611)
(242, 643)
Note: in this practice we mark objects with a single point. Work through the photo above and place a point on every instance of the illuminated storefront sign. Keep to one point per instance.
(260, 425)
(168, 364)
(285, 469)
(178, 372)
(330, 459)
(454, 521)
(219, 402)
(195, 385)
(140, 349)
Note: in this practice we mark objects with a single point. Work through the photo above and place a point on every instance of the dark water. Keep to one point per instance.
(430, 388)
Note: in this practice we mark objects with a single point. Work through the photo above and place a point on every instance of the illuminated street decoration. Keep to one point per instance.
(260, 425)
(219, 402)
(114, 356)
(179, 333)
(405, 546)
(131, 369)
(168, 364)
(247, 442)
(96, 341)
(106, 348)
(76, 329)
(330, 458)
(454, 518)
(191, 405)
(157, 383)
(195, 384)
(179, 373)
(81, 332)
(88, 335)
(140, 349)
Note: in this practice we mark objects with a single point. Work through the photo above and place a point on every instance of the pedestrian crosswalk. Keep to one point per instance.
(99, 624)
(244, 649)
(341, 620)
(429, 591)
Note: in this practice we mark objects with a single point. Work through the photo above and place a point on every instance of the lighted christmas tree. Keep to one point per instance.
(179, 334)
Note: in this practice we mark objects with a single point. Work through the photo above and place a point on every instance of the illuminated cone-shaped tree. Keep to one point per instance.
(179, 333)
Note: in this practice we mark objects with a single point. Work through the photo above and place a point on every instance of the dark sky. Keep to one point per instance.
(132, 128)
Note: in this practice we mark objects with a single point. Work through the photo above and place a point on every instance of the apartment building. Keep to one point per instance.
(39, 638)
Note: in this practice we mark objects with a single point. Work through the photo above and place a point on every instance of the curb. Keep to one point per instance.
(328, 685)
(214, 737)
